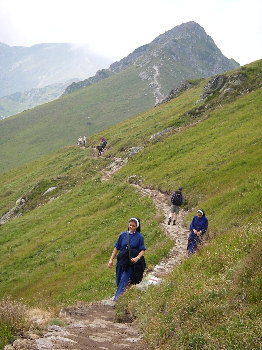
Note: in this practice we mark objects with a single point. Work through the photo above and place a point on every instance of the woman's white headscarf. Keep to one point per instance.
(134, 219)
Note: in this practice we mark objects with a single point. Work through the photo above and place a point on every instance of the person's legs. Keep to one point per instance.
(192, 243)
(119, 271)
(177, 208)
(172, 210)
(123, 281)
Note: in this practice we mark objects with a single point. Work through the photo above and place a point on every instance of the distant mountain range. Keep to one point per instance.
(26, 68)
(23, 100)
(136, 83)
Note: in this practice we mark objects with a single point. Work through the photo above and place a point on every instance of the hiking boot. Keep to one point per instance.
(174, 222)
(169, 221)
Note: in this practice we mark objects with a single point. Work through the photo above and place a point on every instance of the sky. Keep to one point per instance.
(115, 28)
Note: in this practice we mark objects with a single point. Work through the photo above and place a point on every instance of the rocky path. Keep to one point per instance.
(89, 326)
(92, 326)
(177, 232)
(112, 168)
(157, 93)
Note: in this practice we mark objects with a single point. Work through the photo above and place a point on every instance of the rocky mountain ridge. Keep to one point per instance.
(184, 52)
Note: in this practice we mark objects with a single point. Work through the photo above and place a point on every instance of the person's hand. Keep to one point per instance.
(110, 263)
(134, 260)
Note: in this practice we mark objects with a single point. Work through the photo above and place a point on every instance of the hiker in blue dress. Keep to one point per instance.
(130, 262)
(198, 227)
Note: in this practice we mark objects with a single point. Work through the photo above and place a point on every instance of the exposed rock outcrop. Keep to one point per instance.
(134, 150)
(14, 212)
(100, 75)
(213, 85)
(176, 92)
(161, 133)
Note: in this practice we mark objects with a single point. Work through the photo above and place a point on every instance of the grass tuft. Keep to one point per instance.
(13, 320)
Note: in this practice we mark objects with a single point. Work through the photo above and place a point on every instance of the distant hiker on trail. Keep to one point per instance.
(198, 227)
(80, 140)
(104, 142)
(84, 141)
(130, 260)
(177, 198)
(100, 149)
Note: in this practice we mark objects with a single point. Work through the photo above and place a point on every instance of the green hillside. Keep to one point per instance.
(43, 129)
(56, 252)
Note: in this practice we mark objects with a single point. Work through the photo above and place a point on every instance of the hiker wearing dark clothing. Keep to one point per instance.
(177, 198)
(129, 249)
(198, 227)
(100, 149)
(104, 143)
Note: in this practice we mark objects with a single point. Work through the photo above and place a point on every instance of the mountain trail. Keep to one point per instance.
(157, 93)
(92, 326)
(112, 168)
(178, 233)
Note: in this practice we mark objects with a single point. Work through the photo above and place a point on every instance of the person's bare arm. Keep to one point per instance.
(110, 262)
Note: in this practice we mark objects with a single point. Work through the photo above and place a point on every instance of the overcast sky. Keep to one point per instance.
(114, 28)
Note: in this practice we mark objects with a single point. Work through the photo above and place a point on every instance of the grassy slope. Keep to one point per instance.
(57, 252)
(211, 301)
(84, 112)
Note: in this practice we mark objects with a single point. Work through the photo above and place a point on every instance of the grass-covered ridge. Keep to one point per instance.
(57, 251)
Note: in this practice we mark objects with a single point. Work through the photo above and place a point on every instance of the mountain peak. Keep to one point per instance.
(180, 31)
(183, 52)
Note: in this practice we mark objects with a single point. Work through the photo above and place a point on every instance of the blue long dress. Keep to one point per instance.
(136, 241)
(199, 224)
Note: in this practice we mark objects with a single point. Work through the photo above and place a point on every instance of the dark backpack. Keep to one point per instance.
(176, 198)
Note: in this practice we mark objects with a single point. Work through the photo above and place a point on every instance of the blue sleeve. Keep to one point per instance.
(141, 243)
(205, 225)
(118, 244)
(193, 224)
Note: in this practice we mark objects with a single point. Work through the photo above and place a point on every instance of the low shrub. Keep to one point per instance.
(13, 320)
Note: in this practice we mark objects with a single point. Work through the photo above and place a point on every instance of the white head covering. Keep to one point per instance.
(134, 219)
(200, 211)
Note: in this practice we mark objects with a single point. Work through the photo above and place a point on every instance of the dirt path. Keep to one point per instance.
(92, 326)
